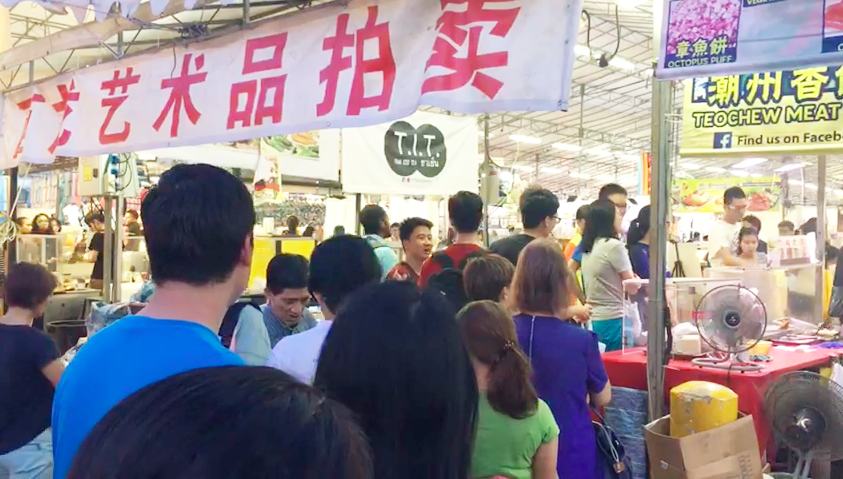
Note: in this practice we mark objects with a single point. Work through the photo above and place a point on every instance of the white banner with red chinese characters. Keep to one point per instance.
(423, 154)
(370, 62)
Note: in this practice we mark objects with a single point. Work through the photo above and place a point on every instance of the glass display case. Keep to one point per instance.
(789, 294)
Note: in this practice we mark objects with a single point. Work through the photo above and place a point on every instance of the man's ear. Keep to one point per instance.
(246, 251)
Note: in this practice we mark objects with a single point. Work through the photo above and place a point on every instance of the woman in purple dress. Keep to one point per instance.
(568, 369)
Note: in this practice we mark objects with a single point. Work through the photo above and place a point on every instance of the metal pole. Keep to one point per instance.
(117, 263)
(487, 170)
(247, 16)
(819, 312)
(659, 208)
(358, 205)
(13, 189)
(108, 245)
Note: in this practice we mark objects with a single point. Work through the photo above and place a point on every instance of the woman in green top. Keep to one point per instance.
(516, 432)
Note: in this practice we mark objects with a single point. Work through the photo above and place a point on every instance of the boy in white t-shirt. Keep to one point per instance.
(723, 238)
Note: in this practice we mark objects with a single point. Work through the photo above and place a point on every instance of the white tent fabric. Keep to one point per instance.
(101, 8)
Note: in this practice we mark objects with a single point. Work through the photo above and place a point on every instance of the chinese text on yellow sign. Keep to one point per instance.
(795, 111)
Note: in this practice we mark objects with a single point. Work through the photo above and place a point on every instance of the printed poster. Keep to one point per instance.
(706, 195)
(728, 37)
(796, 111)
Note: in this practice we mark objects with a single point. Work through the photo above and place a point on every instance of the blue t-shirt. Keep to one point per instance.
(132, 353)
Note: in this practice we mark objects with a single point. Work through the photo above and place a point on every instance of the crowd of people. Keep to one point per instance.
(461, 362)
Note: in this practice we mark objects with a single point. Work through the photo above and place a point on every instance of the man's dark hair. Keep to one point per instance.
(395, 225)
(28, 285)
(292, 224)
(754, 221)
(196, 222)
(183, 413)
(92, 217)
(372, 218)
(733, 193)
(133, 213)
(582, 212)
(286, 271)
(465, 210)
(536, 204)
(406, 228)
(787, 224)
(611, 189)
(340, 266)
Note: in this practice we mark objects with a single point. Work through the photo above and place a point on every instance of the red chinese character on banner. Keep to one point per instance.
(257, 92)
(113, 102)
(383, 63)
(68, 94)
(26, 105)
(460, 31)
(180, 94)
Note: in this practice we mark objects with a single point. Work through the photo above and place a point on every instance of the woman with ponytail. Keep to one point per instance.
(517, 436)
(638, 243)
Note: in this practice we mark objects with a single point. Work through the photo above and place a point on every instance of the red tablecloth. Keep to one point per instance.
(629, 370)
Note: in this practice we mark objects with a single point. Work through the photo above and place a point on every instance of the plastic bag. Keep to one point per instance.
(103, 314)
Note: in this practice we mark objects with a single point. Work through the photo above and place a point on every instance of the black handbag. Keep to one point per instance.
(612, 461)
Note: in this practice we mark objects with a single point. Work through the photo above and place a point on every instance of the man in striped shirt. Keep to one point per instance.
(285, 312)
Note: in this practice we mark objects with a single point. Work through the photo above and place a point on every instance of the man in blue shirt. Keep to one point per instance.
(375, 225)
(198, 227)
(285, 312)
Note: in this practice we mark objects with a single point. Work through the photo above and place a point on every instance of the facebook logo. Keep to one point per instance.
(722, 140)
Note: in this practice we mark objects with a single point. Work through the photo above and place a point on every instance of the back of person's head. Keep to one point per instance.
(489, 334)
(536, 205)
(308, 232)
(599, 224)
(373, 219)
(286, 271)
(582, 213)
(465, 211)
(733, 193)
(406, 227)
(27, 286)
(808, 227)
(339, 230)
(396, 359)
(610, 190)
(225, 422)
(198, 225)
(540, 284)
(639, 227)
(94, 218)
(292, 224)
(487, 277)
(340, 266)
(133, 213)
(786, 226)
(753, 221)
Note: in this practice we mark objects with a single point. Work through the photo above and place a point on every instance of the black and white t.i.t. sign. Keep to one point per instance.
(409, 149)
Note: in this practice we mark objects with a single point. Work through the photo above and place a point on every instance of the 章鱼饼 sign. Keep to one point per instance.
(796, 111)
(728, 37)
(347, 64)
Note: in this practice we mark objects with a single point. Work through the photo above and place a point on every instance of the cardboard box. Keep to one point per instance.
(727, 452)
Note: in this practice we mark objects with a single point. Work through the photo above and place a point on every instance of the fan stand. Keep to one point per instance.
(803, 465)
(730, 361)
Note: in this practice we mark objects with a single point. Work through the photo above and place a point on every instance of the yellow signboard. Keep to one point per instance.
(795, 111)
(706, 195)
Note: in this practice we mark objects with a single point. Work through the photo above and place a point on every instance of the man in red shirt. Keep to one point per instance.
(465, 210)
(417, 243)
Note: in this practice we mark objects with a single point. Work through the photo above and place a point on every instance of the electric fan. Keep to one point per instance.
(731, 319)
(806, 411)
